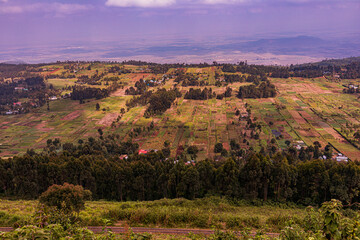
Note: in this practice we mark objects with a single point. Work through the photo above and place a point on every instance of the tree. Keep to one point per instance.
(100, 131)
(192, 150)
(357, 135)
(331, 214)
(166, 151)
(66, 197)
(218, 148)
(167, 144)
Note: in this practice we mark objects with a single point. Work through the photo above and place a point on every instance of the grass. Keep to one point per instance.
(211, 212)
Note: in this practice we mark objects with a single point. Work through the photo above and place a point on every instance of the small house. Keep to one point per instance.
(142, 151)
(340, 158)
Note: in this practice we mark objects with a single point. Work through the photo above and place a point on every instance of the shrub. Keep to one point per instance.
(66, 197)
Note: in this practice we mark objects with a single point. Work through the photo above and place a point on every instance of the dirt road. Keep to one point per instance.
(180, 231)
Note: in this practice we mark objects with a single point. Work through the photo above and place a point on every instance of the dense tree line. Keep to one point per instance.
(95, 165)
(81, 93)
(352, 71)
(198, 94)
(158, 102)
(344, 68)
(18, 70)
(263, 90)
(231, 78)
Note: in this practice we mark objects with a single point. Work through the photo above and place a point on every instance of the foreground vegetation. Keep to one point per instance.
(200, 213)
(230, 218)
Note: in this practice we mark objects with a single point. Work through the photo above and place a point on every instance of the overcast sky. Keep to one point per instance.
(29, 22)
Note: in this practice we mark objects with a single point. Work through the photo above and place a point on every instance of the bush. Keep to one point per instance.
(66, 197)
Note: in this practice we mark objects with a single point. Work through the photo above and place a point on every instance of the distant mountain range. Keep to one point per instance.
(300, 49)
(15, 62)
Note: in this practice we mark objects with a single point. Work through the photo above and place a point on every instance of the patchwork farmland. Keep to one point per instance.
(305, 110)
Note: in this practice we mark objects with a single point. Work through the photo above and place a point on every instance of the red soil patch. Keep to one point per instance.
(280, 123)
(41, 127)
(30, 124)
(55, 71)
(297, 117)
(226, 146)
(265, 100)
(308, 133)
(306, 115)
(300, 88)
(108, 119)
(72, 116)
(138, 76)
(3, 123)
(119, 93)
(155, 134)
(179, 150)
(331, 131)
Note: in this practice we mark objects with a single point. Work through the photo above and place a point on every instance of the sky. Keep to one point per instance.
(28, 23)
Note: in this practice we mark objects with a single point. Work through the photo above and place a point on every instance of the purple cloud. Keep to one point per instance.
(140, 3)
(55, 7)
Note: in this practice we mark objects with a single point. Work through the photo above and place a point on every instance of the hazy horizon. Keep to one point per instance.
(39, 30)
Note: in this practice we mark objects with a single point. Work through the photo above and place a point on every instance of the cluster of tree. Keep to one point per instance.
(263, 90)
(33, 89)
(119, 70)
(161, 100)
(141, 100)
(111, 79)
(231, 78)
(158, 102)
(198, 94)
(351, 90)
(141, 87)
(226, 94)
(188, 79)
(92, 80)
(81, 93)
